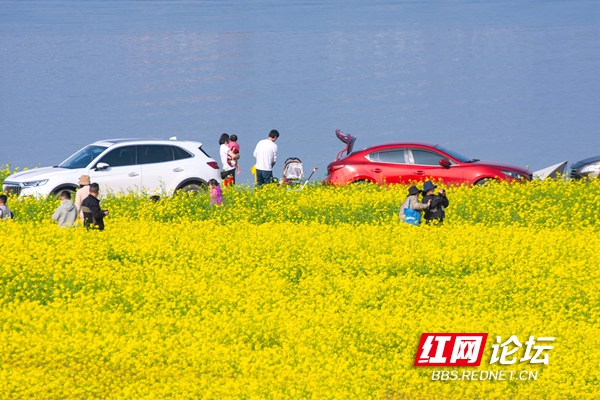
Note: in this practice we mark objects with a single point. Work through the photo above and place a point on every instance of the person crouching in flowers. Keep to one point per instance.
(437, 203)
(410, 210)
(216, 196)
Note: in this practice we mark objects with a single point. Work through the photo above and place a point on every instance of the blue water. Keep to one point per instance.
(513, 81)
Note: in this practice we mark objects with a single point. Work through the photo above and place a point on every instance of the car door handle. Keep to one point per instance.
(377, 170)
(133, 174)
(419, 173)
(178, 169)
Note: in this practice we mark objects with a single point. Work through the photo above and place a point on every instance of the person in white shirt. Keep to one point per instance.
(266, 157)
(228, 171)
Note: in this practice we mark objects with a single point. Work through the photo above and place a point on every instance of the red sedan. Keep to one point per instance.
(414, 161)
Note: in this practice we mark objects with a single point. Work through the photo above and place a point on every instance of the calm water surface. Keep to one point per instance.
(514, 81)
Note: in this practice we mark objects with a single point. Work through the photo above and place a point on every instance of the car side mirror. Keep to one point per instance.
(445, 163)
(101, 166)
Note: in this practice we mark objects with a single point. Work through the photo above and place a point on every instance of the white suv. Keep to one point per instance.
(121, 165)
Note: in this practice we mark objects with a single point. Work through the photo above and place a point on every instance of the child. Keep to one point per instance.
(216, 197)
(5, 212)
(235, 149)
(66, 213)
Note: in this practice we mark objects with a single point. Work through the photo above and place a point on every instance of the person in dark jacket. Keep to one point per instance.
(412, 201)
(92, 214)
(437, 203)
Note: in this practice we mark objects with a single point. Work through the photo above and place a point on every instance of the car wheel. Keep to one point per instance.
(485, 181)
(362, 182)
(194, 187)
(57, 192)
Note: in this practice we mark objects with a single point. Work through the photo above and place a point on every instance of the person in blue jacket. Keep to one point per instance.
(412, 201)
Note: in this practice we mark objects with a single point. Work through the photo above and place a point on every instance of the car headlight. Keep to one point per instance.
(35, 183)
(590, 169)
(514, 175)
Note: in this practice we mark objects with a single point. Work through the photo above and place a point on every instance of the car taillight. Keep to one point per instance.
(213, 164)
(332, 168)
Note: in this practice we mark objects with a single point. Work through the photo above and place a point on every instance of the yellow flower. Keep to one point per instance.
(316, 293)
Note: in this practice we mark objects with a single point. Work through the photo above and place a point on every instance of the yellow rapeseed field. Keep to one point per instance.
(318, 293)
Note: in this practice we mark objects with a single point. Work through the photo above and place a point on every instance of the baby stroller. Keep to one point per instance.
(293, 172)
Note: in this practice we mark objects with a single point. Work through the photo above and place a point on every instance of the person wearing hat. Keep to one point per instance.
(437, 203)
(412, 201)
(82, 193)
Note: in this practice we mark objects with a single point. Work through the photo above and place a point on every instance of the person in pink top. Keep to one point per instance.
(82, 193)
(235, 149)
(216, 196)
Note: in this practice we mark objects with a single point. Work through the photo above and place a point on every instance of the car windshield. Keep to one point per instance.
(83, 157)
(454, 154)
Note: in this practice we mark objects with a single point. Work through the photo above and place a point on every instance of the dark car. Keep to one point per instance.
(588, 168)
(406, 162)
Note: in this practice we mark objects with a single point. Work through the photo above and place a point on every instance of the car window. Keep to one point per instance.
(154, 153)
(372, 157)
(454, 154)
(390, 156)
(205, 153)
(180, 153)
(424, 157)
(119, 157)
(83, 157)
